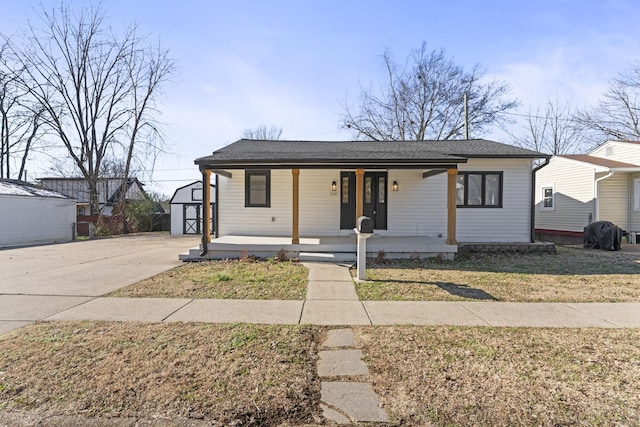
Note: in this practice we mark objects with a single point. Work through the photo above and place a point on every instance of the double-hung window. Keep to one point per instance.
(479, 190)
(257, 188)
(547, 199)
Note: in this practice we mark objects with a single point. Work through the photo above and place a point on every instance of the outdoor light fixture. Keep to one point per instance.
(334, 186)
(394, 186)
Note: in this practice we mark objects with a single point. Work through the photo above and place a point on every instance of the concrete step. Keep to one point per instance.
(327, 257)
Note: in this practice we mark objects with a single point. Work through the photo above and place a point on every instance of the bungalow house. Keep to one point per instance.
(30, 214)
(602, 185)
(423, 197)
(186, 209)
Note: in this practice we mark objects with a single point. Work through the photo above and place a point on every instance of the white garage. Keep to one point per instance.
(32, 215)
(186, 209)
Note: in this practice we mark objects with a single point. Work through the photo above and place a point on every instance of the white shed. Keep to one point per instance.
(32, 215)
(186, 209)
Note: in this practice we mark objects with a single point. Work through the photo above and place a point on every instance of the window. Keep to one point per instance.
(479, 190)
(547, 199)
(257, 188)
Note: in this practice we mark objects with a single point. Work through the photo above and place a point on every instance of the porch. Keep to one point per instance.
(329, 248)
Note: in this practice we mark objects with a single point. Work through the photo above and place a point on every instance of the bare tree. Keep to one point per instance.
(20, 119)
(91, 85)
(424, 100)
(552, 130)
(262, 132)
(617, 114)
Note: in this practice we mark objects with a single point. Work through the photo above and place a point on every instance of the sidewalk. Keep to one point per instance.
(331, 300)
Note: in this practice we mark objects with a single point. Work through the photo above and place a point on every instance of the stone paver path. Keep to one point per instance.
(332, 300)
(345, 402)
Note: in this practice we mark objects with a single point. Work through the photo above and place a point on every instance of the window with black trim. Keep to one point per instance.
(257, 189)
(479, 190)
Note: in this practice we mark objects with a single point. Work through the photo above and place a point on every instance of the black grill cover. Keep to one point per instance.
(602, 235)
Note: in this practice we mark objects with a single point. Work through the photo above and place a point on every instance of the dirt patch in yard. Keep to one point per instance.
(224, 374)
(570, 275)
(229, 279)
(489, 377)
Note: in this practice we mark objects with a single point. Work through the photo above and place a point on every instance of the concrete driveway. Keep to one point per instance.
(39, 281)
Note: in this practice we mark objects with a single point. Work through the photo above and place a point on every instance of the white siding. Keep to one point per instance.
(511, 223)
(419, 207)
(613, 199)
(626, 152)
(183, 196)
(235, 219)
(573, 184)
(28, 220)
(634, 214)
(319, 206)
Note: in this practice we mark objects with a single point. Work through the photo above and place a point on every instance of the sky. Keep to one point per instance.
(294, 64)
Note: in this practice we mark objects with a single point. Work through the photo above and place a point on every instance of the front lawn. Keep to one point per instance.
(229, 279)
(449, 376)
(570, 275)
(226, 374)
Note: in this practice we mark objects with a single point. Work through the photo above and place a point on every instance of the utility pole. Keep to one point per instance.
(466, 116)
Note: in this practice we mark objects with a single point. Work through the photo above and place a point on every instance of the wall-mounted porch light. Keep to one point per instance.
(334, 186)
(394, 186)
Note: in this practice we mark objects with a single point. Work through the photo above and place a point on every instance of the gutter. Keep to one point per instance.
(533, 197)
(596, 205)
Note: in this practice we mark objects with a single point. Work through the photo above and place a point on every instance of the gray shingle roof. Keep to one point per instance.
(247, 153)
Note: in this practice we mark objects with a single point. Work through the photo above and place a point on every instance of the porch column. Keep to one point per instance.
(452, 174)
(206, 210)
(359, 198)
(295, 233)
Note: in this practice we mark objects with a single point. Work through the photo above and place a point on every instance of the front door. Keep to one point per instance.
(374, 194)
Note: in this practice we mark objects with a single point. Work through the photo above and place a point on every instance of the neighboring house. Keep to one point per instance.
(186, 209)
(109, 191)
(602, 185)
(30, 214)
(443, 192)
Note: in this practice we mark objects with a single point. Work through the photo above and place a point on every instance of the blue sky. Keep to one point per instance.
(295, 63)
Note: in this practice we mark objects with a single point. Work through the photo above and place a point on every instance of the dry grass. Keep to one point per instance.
(490, 377)
(230, 279)
(571, 275)
(225, 374)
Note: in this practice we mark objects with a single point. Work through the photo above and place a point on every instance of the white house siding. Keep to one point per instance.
(627, 152)
(634, 215)
(29, 220)
(573, 184)
(235, 219)
(419, 207)
(319, 206)
(613, 199)
(511, 223)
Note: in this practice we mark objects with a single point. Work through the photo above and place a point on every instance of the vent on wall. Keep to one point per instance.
(609, 152)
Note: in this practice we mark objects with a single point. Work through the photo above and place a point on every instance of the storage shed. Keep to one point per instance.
(32, 215)
(186, 209)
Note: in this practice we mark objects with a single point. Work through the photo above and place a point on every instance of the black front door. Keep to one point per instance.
(374, 194)
(375, 198)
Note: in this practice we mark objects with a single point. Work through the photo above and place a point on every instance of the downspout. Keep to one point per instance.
(533, 198)
(596, 204)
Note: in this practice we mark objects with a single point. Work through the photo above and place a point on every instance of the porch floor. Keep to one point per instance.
(337, 248)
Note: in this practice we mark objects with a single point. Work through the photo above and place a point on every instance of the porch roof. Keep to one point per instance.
(247, 153)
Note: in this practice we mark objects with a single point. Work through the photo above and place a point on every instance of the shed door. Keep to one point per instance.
(192, 218)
